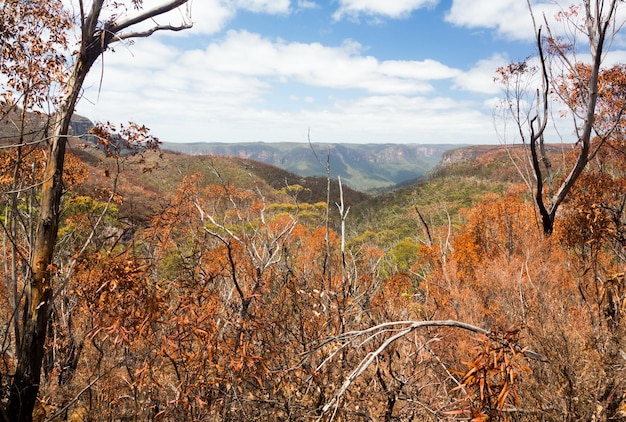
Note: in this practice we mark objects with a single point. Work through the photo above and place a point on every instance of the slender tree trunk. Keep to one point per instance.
(38, 293)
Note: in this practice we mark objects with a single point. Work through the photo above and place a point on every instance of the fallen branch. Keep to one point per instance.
(401, 328)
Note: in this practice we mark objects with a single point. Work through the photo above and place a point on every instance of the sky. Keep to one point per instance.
(357, 71)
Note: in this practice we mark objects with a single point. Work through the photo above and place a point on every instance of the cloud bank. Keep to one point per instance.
(218, 83)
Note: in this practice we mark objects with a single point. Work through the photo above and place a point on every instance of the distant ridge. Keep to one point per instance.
(365, 167)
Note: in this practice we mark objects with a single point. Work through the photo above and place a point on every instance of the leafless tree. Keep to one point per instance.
(597, 23)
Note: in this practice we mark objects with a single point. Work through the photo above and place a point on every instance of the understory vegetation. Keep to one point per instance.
(146, 285)
(216, 296)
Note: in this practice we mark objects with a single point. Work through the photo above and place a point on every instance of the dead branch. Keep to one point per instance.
(401, 329)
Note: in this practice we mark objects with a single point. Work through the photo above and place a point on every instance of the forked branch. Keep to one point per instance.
(400, 329)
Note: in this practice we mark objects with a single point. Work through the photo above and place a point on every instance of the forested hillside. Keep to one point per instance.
(147, 285)
(211, 289)
(365, 167)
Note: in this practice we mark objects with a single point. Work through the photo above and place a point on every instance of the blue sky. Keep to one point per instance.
(366, 71)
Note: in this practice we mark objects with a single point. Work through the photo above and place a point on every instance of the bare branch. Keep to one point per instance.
(146, 14)
(147, 33)
(401, 329)
(361, 367)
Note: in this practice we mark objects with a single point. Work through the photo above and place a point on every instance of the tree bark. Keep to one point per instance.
(38, 295)
(38, 292)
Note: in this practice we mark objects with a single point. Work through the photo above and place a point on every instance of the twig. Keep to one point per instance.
(404, 327)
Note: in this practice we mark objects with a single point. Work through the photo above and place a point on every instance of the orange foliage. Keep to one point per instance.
(492, 231)
(394, 299)
(220, 309)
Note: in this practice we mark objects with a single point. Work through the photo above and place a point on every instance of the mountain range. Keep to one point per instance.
(364, 167)
(368, 168)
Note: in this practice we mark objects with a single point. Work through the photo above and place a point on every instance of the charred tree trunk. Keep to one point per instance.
(95, 39)
(38, 294)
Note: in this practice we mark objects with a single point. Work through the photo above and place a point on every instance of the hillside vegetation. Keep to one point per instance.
(149, 191)
(212, 289)
(365, 167)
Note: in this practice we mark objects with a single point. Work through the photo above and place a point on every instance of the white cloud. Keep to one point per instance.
(307, 4)
(264, 6)
(613, 57)
(383, 8)
(422, 70)
(210, 16)
(148, 53)
(510, 18)
(341, 67)
(226, 92)
(480, 78)
(367, 119)
(404, 119)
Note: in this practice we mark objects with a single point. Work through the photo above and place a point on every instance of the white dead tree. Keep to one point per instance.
(391, 332)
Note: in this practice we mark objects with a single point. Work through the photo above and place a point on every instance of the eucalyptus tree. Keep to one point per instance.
(34, 61)
(571, 51)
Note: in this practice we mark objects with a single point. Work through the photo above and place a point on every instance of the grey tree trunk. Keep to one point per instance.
(38, 292)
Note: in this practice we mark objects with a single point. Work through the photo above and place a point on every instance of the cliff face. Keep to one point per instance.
(465, 154)
(364, 167)
(80, 125)
(390, 153)
(471, 153)
(35, 125)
